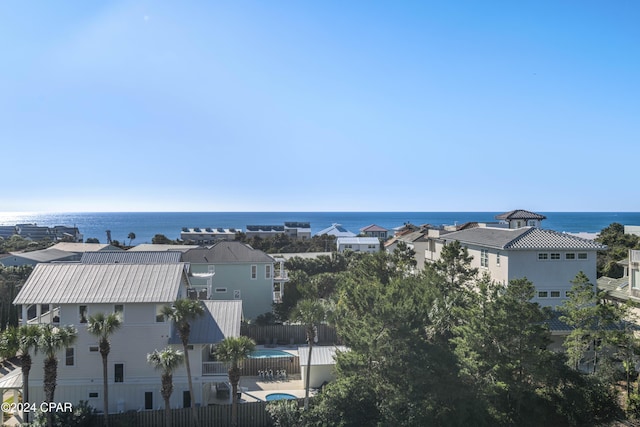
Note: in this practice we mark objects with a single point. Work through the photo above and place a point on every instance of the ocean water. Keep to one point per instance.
(147, 224)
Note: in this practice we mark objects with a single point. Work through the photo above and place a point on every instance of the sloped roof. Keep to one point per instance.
(102, 283)
(320, 355)
(136, 257)
(616, 288)
(336, 230)
(85, 247)
(520, 214)
(150, 247)
(358, 240)
(373, 227)
(44, 255)
(221, 320)
(226, 253)
(522, 238)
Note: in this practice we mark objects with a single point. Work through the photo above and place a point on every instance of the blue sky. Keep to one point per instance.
(319, 106)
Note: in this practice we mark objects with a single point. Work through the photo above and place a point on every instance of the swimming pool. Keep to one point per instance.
(279, 396)
(267, 353)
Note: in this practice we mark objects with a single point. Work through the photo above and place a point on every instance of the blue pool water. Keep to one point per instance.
(264, 354)
(280, 396)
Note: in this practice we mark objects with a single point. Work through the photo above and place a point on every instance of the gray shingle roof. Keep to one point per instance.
(522, 238)
(221, 320)
(520, 214)
(136, 257)
(224, 253)
(102, 283)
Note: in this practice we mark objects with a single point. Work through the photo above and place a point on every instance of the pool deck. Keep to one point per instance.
(255, 390)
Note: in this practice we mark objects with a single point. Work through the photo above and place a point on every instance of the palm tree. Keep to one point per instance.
(182, 313)
(310, 313)
(21, 340)
(131, 236)
(103, 326)
(234, 350)
(166, 361)
(52, 339)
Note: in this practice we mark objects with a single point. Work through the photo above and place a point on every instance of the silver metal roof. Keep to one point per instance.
(161, 247)
(358, 240)
(320, 355)
(226, 252)
(221, 320)
(136, 257)
(45, 255)
(102, 283)
(84, 247)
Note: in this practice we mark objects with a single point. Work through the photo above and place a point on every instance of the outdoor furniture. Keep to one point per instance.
(223, 391)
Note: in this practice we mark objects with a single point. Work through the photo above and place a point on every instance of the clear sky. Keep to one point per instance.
(319, 106)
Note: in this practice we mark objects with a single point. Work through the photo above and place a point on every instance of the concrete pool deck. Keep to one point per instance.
(255, 390)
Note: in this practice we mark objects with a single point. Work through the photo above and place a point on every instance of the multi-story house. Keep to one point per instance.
(294, 230)
(375, 231)
(549, 259)
(69, 293)
(234, 271)
(358, 244)
(207, 235)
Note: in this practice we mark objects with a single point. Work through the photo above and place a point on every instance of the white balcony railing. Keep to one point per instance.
(214, 368)
(634, 256)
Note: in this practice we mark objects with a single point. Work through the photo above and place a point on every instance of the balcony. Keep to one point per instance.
(634, 256)
(214, 368)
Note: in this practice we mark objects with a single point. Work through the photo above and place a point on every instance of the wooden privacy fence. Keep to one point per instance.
(250, 367)
(287, 334)
(250, 414)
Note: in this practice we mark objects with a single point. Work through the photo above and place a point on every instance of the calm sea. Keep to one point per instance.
(147, 224)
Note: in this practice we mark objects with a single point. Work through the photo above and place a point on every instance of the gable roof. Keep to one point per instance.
(522, 238)
(102, 283)
(85, 247)
(126, 257)
(45, 255)
(221, 320)
(358, 241)
(519, 214)
(372, 227)
(321, 355)
(336, 230)
(225, 253)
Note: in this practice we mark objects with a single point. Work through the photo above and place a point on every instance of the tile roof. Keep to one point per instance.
(225, 253)
(71, 283)
(136, 257)
(520, 214)
(522, 238)
(221, 320)
(320, 355)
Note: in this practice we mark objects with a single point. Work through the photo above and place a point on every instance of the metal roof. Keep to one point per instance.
(12, 380)
(150, 247)
(320, 355)
(45, 255)
(102, 283)
(226, 252)
(136, 257)
(358, 241)
(221, 320)
(84, 247)
(336, 230)
(522, 238)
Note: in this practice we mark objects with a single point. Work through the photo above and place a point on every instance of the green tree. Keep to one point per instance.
(22, 340)
(92, 240)
(103, 326)
(234, 350)
(310, 313)
(51, 340)
(161, 239)
(166, 361)
(183, 312)
(131, 236)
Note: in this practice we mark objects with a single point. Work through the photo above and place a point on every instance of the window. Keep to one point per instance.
(569, 256)
(498, 258)
(82, 313)
(69, 356)
(555, 294)
(432, 245)
(254, 272)
(555, 256)
(148, 400)
(119, 310)
(94, 349)
(582, 255)
(543, 294)
(543, 257)
(159, 316)
(236, 294)
(93, 395)
(118, 373)
(267, 271)
(221, 290)
(484, 258)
